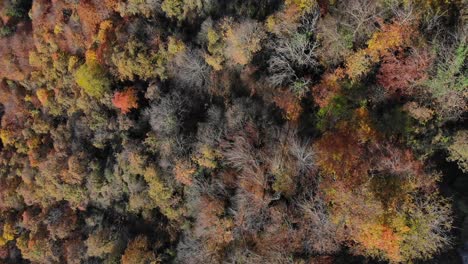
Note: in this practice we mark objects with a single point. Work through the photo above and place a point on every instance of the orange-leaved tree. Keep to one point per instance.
(125, 100)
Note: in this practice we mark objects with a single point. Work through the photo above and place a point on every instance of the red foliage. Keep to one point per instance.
(15, 114)
(399, 73)
(125, 100)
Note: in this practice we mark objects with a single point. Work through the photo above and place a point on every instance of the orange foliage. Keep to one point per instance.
(92, 13)
(138, 252)
(390, 38)
(289, 104)
(183, 172)
(327, 88)
(377, 236)
(125, 100)
(212, 226)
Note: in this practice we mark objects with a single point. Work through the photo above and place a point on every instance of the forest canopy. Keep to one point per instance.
(240, 131)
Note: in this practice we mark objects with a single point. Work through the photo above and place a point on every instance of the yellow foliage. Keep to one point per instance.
(92, 78)
(207, 157)
(358, 64)
(8, 234)
(103, 29)
(175, 46)
(34, 59)
(58, 29)
(212, 37)
(91, 56)
(7, 137)
(183, 172)
(72, 62)
(173, 8)
(214, 61)
(304, 5)
(33, 143)
(215, 58)
(271, 23)
(160, 193)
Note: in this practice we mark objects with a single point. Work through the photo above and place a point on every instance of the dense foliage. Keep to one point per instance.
(241, 131)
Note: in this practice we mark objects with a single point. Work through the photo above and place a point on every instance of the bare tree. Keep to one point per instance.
(358, 16)
(319, 231)
(303, 154)
(292, 52)
(190, 70)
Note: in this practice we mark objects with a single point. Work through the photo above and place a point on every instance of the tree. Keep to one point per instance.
(148, 8)
(125, 100)
(161, 194)
(449, 82)
(458, 150)
(289, 104)
(430, 222)
(398, 74)
(173, 8)
(138, 252)
(190, 70)
(292, 53)
(243, 40)
(135, 59)
(390, 38)
(103, 243)
(186, 9)
(319, 232)
(93, 79)
(183, 172)
(328, 88)
(336, 41)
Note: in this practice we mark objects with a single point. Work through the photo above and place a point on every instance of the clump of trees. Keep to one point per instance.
(209, 131)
